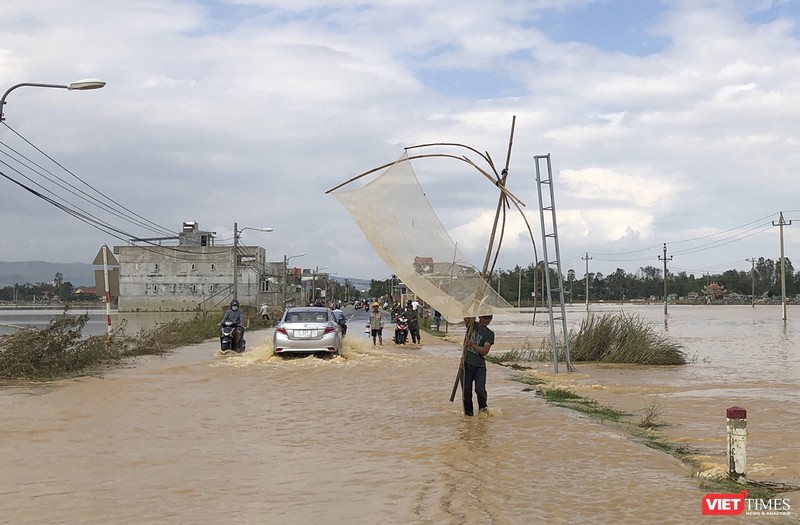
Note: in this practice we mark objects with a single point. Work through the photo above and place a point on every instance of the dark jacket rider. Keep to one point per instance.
(237, 316)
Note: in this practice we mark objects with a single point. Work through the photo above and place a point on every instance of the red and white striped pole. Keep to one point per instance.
(108, 291)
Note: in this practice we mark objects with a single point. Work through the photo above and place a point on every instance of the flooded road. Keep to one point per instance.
(369, 437)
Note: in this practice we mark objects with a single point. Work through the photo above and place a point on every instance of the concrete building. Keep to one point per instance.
(195, 275)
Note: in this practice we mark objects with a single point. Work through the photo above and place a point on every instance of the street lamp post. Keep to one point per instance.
(328, 285)
(236, 233)
(286, 273)
(314, 282)
(78, 85)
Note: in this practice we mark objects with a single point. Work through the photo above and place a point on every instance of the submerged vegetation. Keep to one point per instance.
(568, 399)
(59, 350)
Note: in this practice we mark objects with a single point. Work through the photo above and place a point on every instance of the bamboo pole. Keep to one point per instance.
(483, 172)
(484, 272)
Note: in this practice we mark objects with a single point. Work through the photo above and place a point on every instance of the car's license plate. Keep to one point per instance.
(303, 333)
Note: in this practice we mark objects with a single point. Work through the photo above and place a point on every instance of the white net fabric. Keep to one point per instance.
(397, 219)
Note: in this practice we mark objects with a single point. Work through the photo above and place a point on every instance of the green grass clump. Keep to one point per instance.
(623, 338)
(528, 379)
(568, 399)
(560, 394)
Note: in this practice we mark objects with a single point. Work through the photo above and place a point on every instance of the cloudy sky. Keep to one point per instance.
(671, 121)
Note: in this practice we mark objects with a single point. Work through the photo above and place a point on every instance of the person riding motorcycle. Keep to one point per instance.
(341, 319)
(237, 316)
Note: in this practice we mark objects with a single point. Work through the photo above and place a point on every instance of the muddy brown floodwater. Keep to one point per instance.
(371, 437)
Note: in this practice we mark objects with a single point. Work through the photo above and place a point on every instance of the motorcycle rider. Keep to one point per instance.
(412, 316)
(237, 316)
(341, 319)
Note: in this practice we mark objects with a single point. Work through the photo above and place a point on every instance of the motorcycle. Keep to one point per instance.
(400, 330)
(226, 337)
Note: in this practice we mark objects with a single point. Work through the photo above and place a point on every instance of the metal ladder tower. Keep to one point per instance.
(547, 218)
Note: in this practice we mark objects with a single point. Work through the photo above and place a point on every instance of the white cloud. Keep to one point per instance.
(274, 102)
(606, 185)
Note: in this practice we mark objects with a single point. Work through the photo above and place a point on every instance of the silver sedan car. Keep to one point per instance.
(307, 330)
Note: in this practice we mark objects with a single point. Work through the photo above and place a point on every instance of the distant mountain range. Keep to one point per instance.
(79, 274)
(360, 284)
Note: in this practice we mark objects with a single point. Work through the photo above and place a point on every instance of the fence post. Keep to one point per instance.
(737, 443)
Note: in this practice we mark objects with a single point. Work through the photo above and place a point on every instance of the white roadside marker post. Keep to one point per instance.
(737, 443)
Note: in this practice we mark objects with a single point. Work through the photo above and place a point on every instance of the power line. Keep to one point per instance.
(59, 183)
(76, 211)
(609, 257)
(105, 227)
(92, 188)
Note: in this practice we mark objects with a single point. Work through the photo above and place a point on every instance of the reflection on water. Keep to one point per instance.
(13, 319)
(370, 436)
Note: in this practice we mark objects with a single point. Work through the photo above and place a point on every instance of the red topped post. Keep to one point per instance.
(737, 443)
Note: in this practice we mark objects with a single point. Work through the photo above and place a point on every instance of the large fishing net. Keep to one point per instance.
(413, 242)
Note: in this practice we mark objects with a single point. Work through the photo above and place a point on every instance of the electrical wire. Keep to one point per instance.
(154, 227)
(759, 228)
(79, 213)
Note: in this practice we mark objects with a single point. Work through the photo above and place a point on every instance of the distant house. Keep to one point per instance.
(713, 292)
(455, 278)
(194, 275)
(423, 264)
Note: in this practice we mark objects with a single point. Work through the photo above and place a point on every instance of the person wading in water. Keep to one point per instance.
(475, 363)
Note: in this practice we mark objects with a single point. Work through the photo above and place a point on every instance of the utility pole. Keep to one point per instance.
(285, 278)
(586, 278)
(519, 288)
(235, 260)
(752, 281)
(571, 279)
(665, 259)
(782, 223)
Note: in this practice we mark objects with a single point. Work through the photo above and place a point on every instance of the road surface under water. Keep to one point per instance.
(371, 437)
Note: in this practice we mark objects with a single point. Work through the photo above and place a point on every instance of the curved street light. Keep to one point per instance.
(236, 233)
(78, 85)
(286, 272)
(265, 230)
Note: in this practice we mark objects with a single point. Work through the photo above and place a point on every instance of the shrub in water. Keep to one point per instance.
(60, 350)
(623, 338)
